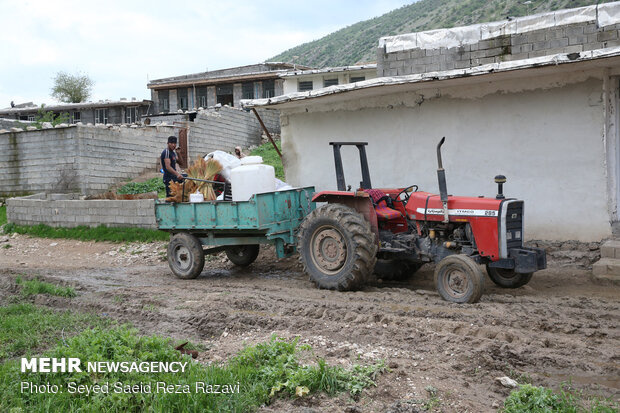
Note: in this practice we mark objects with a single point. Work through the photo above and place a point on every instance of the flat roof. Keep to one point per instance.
(336, 69)
(550, 61)
(82, 105)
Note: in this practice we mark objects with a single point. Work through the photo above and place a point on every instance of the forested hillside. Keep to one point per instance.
(358, 43)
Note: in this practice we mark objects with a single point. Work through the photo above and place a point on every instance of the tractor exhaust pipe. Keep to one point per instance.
(441, 177)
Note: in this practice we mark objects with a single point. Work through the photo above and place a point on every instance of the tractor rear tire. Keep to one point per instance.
(243, 255)
(459, 279)
(337, 248)
(185, 256)
(508, 278)
(395, 270)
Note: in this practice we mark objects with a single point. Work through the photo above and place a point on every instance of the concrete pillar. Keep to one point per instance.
(237, 94)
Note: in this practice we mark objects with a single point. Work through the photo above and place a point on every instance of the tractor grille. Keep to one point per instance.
(514, 225)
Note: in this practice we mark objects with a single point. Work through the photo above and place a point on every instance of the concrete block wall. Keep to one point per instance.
(62, 210)
(85, 159)
(222, 128)
(46, 158)
(570, 38)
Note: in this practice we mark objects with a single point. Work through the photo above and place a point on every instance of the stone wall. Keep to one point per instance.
(565, 31)
(64, 210)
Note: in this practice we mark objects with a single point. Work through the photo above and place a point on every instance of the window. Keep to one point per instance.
(182, 98)
(330, 82)
(357, 79)
(304, 85)
(269, 88)
(101, 116)
(247, 90)
(131, 114)
(77, 117)
(31, 118)
(202, 97)
(164, 101)
(224, 94)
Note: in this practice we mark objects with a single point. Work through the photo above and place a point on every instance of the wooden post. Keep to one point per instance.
(267, 132)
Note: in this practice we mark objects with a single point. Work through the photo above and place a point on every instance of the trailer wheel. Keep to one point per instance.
(337, 247)
(506, 278)
(459, 279)
(185, 256)
(396, 270)
(243, 255)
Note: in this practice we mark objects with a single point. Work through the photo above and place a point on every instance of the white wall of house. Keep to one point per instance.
(545, 133)
(291, 82)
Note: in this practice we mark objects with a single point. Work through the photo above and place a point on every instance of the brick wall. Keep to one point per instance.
(63, 210)
(517, 45)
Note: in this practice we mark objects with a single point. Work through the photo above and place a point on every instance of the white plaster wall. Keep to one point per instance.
(290, 82)
(545, 135)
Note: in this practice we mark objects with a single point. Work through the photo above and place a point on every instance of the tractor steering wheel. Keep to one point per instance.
(406, 192)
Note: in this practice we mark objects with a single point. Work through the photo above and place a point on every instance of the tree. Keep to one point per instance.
(71, 88)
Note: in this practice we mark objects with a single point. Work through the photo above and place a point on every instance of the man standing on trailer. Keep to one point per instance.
(169, 163)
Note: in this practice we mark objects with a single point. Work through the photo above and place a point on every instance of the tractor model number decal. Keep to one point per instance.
(460, 212)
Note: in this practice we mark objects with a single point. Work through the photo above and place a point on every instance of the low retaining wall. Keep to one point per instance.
(67, 210)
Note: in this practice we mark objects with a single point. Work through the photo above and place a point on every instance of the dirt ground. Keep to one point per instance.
(562, 327)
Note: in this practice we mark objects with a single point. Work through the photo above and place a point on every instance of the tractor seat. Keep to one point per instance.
(380, 202)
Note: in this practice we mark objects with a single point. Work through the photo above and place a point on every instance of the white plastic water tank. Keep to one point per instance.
(252, 177)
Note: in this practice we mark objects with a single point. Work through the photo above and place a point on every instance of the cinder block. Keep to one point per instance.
(558, 43)
(554, 34)
(580, 39)
(607, 35)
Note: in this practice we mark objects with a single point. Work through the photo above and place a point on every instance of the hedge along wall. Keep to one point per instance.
(64, 210)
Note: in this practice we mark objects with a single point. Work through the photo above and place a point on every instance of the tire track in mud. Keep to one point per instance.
(458, 349)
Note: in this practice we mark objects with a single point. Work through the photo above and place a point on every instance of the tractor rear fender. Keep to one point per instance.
(359, 201)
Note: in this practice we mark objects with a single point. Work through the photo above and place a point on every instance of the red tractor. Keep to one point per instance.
(393, 232)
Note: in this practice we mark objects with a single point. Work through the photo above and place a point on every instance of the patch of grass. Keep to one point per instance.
(529, 398)
(35, 286)
(254, 377)
(83, 233)
(153, 184)
(433, 400)
(27, 328)
(271, 157)
(2, 215)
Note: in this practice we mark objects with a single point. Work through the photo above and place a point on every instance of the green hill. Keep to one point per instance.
(358, 43)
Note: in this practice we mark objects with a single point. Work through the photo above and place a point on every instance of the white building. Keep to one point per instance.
(311, 79)
(547, 118)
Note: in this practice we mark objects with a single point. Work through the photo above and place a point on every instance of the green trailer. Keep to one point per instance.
(238, 228)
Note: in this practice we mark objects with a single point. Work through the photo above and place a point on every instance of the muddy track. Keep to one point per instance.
(562, 326)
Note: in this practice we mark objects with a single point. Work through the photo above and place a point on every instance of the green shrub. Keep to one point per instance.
(153, 184)
(529, 398)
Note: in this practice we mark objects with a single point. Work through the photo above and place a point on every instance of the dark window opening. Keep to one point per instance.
(330, 82)
(164, 101)
(101, 116)
(182, 98)
(247, 90)
(202, 97)
(224, 95)
(77, 117)
(269, 88)
(357, 79)
(131, 114)
(305, 85)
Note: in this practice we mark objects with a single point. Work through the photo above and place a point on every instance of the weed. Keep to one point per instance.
(83, 233)
(118, 299)
(148, 307)
(153, 184)
(529, 398)
(7, 246)
(2, 215)
(433, 400)
(26, 328)
(257, 375)
(33, 287)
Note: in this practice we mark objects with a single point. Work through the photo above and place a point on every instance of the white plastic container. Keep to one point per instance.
(197, 197)
(252, 177)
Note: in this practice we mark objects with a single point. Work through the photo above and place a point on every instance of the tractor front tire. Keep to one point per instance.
(459, 279)
(508, 278)
(337, 247)
(243, 255)
(185, 256)
(395, 270)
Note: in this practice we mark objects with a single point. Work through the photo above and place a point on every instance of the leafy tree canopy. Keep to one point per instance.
(70, 88)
